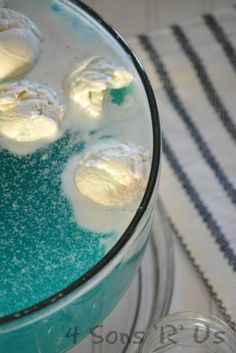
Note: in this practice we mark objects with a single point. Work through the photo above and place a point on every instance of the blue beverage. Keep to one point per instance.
(57, 275)
(43, 248)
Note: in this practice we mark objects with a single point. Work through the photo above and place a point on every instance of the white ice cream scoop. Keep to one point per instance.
(20, 43)
(89, 83)
(113, 174)
(29, 111)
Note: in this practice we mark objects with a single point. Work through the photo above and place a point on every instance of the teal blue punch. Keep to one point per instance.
(86, 32)
(56, 7)
(72, 20)
(42, 247)
(118, 95)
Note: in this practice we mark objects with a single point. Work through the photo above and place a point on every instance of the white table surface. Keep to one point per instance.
(190, 293)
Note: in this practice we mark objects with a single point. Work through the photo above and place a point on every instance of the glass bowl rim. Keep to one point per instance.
(154, 172)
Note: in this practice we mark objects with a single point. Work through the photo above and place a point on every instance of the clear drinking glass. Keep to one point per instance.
(189, 332)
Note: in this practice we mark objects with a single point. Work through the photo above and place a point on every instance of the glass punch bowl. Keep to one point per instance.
(83, 304)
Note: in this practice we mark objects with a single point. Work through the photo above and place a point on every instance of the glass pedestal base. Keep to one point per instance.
(146, 301)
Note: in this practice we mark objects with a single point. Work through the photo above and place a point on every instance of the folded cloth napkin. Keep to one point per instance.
(192, 68)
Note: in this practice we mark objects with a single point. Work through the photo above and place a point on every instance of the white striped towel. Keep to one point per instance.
(192, 68)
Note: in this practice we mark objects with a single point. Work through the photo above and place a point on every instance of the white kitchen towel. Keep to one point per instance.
(192, 68)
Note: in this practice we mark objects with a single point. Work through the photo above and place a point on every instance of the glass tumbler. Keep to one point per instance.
(189, 332)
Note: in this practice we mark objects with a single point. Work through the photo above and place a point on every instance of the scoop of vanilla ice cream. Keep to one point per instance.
(20, 43)
(89, 83)
(113, 174)
(29, 111)
(120, 78)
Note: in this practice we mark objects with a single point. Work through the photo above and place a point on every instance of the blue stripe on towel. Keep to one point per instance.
(184, 115)
(222, 39)
(202, 209)
(205, 81)
(201, 274)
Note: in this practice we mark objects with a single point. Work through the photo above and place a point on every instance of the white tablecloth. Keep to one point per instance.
(192, 67)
